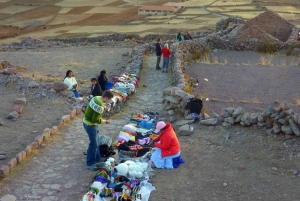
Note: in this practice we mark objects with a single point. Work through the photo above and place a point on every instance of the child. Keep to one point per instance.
(95, 88)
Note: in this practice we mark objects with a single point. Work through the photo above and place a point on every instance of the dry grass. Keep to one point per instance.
(206, 59)
(244, 101)
(203, 96)
(215, 60)
(225, 61)
(214, 99)
(266, 60)
(283, 62)
(230, 100)
(256, 101)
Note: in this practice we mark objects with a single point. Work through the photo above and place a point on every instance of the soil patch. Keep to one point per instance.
(116, 3)
(80, 10)
(6, 31)
(39, 12)
(94, 20)
(245, 82)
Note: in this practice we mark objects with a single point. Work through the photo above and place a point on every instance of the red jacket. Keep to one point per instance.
(169, 143)
(166, 52)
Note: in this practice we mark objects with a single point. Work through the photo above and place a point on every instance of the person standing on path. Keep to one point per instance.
(158, 53)
(93, 117)
(166, 52)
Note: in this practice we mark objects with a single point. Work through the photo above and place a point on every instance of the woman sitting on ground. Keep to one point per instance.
(71, 82)
(103, 81)
(166, 146)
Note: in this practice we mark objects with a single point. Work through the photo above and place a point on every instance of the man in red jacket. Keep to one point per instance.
(166, 146)
(166, 52)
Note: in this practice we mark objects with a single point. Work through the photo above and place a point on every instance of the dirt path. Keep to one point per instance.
(57, 171)
(250, 165)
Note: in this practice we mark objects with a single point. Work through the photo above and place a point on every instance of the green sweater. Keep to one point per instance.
(94, 111)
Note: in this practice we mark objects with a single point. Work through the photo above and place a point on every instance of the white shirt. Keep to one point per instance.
(70, 82)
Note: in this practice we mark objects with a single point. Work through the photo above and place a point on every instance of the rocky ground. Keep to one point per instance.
(44, 108)
(236, 163)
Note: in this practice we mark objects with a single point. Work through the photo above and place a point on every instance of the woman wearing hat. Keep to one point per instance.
(166, 146)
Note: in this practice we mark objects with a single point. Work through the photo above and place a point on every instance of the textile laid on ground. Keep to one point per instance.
(129, 180)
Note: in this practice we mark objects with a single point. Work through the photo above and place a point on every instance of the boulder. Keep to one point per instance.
(220, 118)
(284, 106)
(170, 112)
(281, 114)
(182, 122)
(238, 119)
(276, 128)
(224, 113)
(260, 118)
(21, 156)
(60, 86)
(230, 110)
(287, 130)
(8, 197)
(13, 115)
(184, 130)
(277, 109)
(209, 122)
(269, 123)
(248, 123)
(178, 92)
(171, 99)
(294, 127)
(270, 110)
(18, 108)
(229, 120)
(168, 91)
(288, 111)
(283, 121)
(295, 117)
(4, 170)
(33, 84)
(253, 118)
(261, 124)
(12, 163)
(237, 112)
(21, 101)
(206, 116)
(245, 117)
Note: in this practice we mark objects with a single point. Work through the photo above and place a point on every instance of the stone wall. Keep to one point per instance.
(280, 120)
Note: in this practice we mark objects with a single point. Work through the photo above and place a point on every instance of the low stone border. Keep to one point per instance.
(5, 169)
(135, 66)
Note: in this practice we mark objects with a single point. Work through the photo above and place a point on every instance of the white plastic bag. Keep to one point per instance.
(145, 191)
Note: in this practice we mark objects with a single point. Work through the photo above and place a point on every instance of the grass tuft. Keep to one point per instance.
(268, 47)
